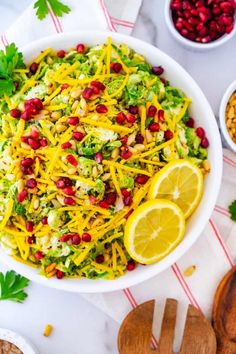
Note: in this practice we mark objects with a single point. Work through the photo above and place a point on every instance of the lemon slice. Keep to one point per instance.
(153, 230)
(181, 182)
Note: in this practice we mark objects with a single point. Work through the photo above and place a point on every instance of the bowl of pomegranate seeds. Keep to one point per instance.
(201, 24)
(94, 119)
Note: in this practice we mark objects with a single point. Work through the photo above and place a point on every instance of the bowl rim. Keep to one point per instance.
(224, 101)
(191, 44)
(133, 278)
(18, 340)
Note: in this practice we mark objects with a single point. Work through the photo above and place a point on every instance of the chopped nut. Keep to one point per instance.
(189, 271)
(74, 105)
(115, 153)
(71, 171)
(75, 93)
(47, 330)
(60, 199)
(20, 185)
(148, 136)
(56, 114)
(139, 147)
(36, 204)
(60, 128)
(206, 165)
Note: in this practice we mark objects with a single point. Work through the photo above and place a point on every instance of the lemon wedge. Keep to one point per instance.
(153, 230)
(181, 182)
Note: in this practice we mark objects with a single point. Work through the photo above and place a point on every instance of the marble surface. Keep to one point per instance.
(79, 327)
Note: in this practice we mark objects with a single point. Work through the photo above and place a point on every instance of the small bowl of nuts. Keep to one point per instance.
(227, 115)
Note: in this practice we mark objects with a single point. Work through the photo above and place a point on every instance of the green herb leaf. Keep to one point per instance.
(232, 210)
(58, 8)
(12, 286)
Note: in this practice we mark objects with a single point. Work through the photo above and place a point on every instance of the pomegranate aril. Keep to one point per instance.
(152, 110)
(28, 161)
(34, 133)
(73, 120)
(27, 170)
(100, 258)
(72, 160)
(65, 237)
(133, 109)
(190, 122)
(35, 144)
(128, 200)
(96, 90)
(141, 179)
(229, 28)
(117, 67)
(38, 255)
(131, 265)
(110, 198)
(98, 157)
(93, 200)
(80, 48)
(37, 103)
(86, 237)
(69, 201)
(60, 274)
(154, 127)
(120, 118)
(204, 143)
(66, 145)
(161, 115)
(124, 140)
(31, 240)
(67, 181)
(43, 142)
(29, 225)
(125, 192)
(78, 136)
(34, 67)
(61, 53)
(125, 152)
(157, 70)
(44, 220)
(98, 85)
(139, 138)
(130, 118)
(24, 139)
(76, 239)
(31, 183)
(168, 135)
(15, 113)
(200, 132)
(87, 93)
(101, 108)
(25, 115)
(69, 191)
(22, 196)
(103, 204)
(60, 184)
(64, 87)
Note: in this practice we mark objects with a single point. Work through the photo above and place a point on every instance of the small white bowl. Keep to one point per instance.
(187, 42)
(230, 90)
(20, 342)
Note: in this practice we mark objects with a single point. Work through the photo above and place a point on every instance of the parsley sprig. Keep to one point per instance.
(9, 60)
(232, 210)
(12, 286)
(58, 8)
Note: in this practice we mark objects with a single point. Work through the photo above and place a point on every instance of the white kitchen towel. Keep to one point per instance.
(113, 15)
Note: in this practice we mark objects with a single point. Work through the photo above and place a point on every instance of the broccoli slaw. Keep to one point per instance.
(80, 140)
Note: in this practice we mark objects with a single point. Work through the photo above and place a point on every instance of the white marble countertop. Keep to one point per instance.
(79, 327)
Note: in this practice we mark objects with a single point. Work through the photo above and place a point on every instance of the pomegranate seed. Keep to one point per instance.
(31, 183)
(60, 184)
(120, 118)
(157, 70)
(125, 153)
(76, 239)
(98, 157)
(64, 87)
(99, 85)
(37, 103)
(22, 195)
(139, 138)
(80, 48)
(204, 143)
(78, 136)
(67, 181)
(131, 265)
(15, 113)
(34, 67)
(125, 192)
(69, 201)
(100, 258)
(117, 67)
(66, 145)
(87, 93)
(93, 200)
(128, 200)
(141, 179)
(31, 240)
(34, 133)
(200, 132)
(35, 144)
(168, 135)
(43, 142)
(25, 115)
(175, 5)
(161, 115)
(103, 204)
(86, 237)
(27, 170)
(44, 220)
(60, 274)
(65, 237)
(124, 140)
(190, 122)
(154, 127)
(101, 108)
(73, 120)
(24, 139)
(29, 226)
(151, 111)
(96, 90)
(133, 109)
(69, 191)
(130, 118)
(61, 53)
(27, 162)
(72, 160)
(110, 198)
(38, 255)
(229, 28)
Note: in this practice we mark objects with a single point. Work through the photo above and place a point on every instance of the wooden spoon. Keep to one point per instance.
(136, 330)
(224, 314)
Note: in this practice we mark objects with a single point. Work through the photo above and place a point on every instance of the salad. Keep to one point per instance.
(82, 133)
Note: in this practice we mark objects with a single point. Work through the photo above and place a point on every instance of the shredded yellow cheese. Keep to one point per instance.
(9, 207)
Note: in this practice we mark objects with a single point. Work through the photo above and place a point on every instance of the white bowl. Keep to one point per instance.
(230, 90)
(188, 43)
(22, 343)
(200, 110)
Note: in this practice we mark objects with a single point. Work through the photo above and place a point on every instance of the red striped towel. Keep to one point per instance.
(213, 254)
